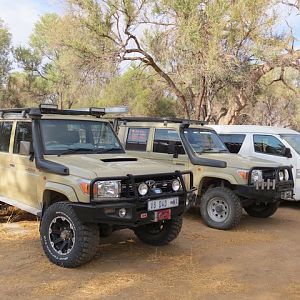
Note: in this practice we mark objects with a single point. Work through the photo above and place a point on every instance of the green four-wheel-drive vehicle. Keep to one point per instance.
(69, 168)
(226, 182)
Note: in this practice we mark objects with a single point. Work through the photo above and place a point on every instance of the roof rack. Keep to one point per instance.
(160, 119)
(34, 112)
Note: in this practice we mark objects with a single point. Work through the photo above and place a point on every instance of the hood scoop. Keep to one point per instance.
(118, 159)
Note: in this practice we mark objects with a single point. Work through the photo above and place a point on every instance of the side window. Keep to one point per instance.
(166, 140)
(233, 142)
(137, 139)
(23, 133)
(5, 132)
(268, 144)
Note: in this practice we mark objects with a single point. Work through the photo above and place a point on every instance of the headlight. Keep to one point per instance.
(286, 175)
(108, 189)
(143, 189)
(281, 175)
(256, 175)
(176, 185)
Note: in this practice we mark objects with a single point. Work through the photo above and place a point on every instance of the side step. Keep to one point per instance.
(22, 206)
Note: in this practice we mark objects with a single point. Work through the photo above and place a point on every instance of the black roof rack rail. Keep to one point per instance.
(160, 119)
(53, 109)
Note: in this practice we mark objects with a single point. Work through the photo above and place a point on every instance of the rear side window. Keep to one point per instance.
(137, 139)
(268, 144)
(23, 133)
(167, 141)
(5, 132)
(233, 142)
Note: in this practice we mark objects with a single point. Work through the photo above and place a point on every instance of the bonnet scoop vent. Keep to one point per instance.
(117, 159)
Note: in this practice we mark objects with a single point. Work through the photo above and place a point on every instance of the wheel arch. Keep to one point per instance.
(211, 181)
(56, 192)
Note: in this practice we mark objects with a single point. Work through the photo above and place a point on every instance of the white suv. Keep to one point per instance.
(277, 144)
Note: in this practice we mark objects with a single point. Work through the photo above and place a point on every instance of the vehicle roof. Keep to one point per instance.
(252, 129)
(159, 123)
(14, 117)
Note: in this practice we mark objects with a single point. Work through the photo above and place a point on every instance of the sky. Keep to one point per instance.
(21, 15)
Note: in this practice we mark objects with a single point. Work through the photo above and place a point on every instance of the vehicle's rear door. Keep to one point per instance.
(167, 146)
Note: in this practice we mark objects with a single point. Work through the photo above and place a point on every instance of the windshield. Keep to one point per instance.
(71, 136)
(204, 140)
(293, 140)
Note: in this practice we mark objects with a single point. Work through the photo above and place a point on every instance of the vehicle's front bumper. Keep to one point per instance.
(107, 210)
(264, 195)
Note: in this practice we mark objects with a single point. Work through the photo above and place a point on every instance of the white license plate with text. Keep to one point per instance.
(163, 203)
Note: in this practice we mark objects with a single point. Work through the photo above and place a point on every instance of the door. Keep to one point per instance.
(24, 177)
(167, 147)
(5, 157)
(137, 141)
(271, 148)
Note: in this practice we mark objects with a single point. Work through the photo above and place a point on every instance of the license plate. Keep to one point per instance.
(287, 195)
(163, 203)
(162, 215)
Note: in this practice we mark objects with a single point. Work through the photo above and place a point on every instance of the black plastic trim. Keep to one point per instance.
(40, 162)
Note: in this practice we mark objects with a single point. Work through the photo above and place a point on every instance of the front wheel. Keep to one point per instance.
(159, 233)
(66, 241)
(220, 208)
(262, 210)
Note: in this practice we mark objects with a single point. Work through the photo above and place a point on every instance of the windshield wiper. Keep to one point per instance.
(74, 150)
(108, 150)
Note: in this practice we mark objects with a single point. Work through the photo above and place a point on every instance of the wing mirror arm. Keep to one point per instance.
(288, 153)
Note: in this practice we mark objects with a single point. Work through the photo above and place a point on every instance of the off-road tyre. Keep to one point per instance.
(60, 220)
(220, 198)
(262, 210)
(159, 233)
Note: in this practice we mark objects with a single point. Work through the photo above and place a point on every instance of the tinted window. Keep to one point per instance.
(167, 141)
(5, 132)
(23, 133)
(137, 139)
(233, 142)
(268, 144)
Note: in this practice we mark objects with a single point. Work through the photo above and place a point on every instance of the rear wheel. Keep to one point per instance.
(66, 241)
(220, 208)
(159, 233)
(262, 210)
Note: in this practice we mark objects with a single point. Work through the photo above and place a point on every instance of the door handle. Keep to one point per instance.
(12, 165)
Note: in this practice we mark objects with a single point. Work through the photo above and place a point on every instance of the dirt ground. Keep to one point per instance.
(258, 260)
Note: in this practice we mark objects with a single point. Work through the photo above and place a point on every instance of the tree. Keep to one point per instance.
(5, 61)
(54, 72)
(140, 92)
(199, 48)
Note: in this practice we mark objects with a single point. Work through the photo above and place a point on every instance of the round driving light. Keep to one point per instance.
(122, 212)
(281, 175)
(143, 189)
(187, 202)
(286, 175)
(175, 185)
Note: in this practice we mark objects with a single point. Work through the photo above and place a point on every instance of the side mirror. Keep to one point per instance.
(25, 148)
(287, 153)
(172, 149)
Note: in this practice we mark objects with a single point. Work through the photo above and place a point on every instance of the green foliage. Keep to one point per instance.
(5, 47)
(140, 92)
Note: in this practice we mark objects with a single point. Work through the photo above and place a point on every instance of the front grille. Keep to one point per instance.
(164, 184)
(269, 174)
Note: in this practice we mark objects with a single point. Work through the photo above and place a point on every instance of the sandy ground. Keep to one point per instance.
(258, 260)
